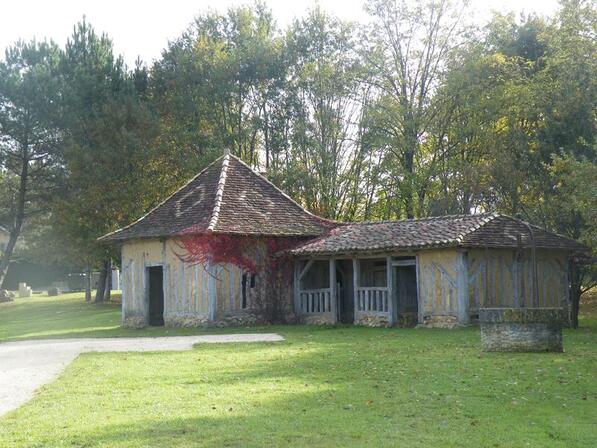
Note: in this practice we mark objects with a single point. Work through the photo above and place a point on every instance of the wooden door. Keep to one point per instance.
(156, 295)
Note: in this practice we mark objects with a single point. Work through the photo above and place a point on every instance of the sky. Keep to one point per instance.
(142, 28)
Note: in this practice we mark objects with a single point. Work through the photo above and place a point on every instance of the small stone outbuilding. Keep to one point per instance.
(231, 248)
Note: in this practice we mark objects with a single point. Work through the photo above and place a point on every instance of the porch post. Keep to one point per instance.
(211, 290)
(390, 286)
(463, 300)
(355, 284)
(333, 299)
(296, 289)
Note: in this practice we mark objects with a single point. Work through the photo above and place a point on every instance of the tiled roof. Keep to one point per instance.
(483, 230)
(226, 197)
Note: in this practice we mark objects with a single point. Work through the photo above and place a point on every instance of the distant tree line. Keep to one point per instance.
(417, 113)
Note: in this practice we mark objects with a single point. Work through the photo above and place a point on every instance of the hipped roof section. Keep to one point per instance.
(227, 197)
(488, 230)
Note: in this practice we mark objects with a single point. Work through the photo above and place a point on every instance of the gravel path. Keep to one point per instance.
(27, 365)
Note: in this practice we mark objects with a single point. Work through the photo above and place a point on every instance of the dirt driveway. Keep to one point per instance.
(27, 365)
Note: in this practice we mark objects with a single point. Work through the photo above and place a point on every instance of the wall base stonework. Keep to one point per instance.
(372, 320)
(186, 320)
(439, 322)
(134, 321)
(244, 319)
(521, 329)
(318, 319)
(407, 320)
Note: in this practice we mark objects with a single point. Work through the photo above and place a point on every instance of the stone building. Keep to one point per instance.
(231, 248)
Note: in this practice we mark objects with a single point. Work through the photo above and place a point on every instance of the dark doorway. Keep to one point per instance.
(405, 281)
(156, 295)
(344, 290)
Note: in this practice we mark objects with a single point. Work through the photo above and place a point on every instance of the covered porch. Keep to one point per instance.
(373, 291)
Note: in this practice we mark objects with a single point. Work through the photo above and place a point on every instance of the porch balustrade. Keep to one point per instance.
(315, 301)
(372, 299)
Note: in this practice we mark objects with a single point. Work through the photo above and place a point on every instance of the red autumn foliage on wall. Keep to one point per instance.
(215, 249)
(263, 255)
(242, 251)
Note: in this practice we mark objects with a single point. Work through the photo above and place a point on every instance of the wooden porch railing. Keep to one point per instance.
(373, 299)
(315, 301)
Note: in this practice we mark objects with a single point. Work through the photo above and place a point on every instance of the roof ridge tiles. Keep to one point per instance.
(219, 194)
(484, 220)
(490, 215)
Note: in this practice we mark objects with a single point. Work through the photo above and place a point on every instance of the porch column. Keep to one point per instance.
(463, 299)
(211, 290)
(333, 299)
(390, 290)
(355, 283)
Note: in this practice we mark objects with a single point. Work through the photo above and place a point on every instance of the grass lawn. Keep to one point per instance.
(338, 386)
(68, 316)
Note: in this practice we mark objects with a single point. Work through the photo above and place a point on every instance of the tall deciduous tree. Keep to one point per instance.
(407, 48)
(324, 81)
(217, 85)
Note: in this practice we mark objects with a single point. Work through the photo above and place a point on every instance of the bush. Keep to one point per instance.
(53, 291)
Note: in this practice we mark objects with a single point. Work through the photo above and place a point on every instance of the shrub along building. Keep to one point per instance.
(229, 247)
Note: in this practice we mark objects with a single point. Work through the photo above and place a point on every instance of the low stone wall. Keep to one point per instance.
(521, 329)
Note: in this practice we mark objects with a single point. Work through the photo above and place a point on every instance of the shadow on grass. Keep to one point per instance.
(336, 388)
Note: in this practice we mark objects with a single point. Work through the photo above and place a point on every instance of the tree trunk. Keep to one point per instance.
(101, 283)
(15, 230)
(575, 292)
(108, 288)
(409, 168)
(5, 262)
(88, 284)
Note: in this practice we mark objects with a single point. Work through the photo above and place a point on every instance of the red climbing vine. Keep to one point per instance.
(263, 255)
(215, 249)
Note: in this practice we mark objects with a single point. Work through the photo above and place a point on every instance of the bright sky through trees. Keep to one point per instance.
(143, 27)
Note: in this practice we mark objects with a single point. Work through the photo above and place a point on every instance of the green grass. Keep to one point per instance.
(68, 316)
(339, 386)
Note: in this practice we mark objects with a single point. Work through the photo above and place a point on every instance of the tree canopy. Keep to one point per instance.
(418, 112)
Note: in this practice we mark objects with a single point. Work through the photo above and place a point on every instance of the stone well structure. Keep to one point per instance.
(521, 329)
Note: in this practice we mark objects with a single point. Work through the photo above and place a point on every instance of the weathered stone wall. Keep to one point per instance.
(521, 329)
